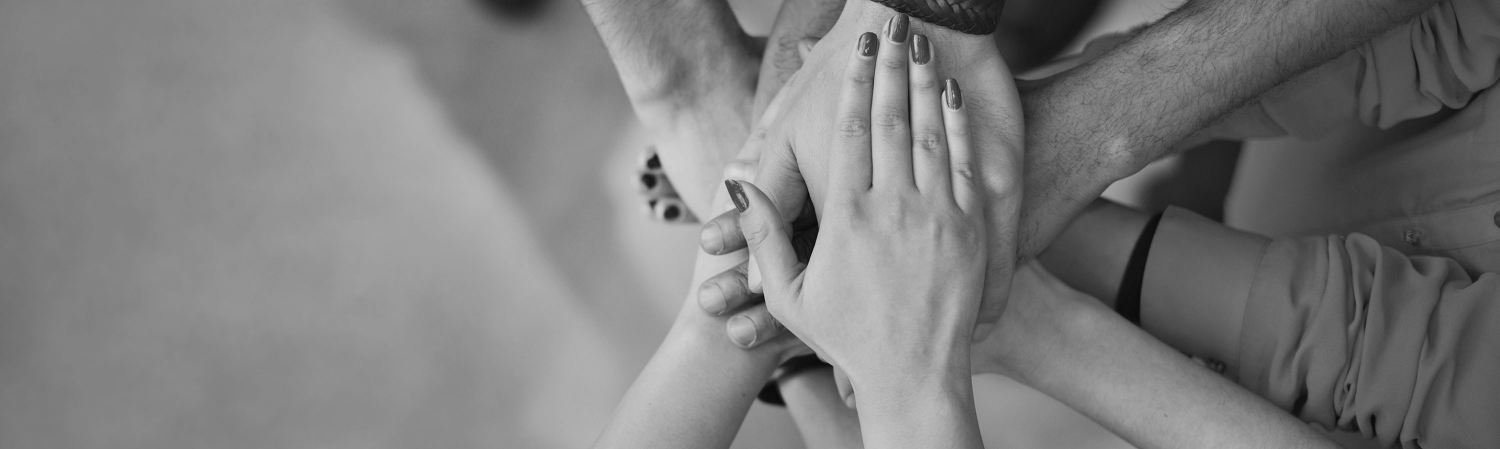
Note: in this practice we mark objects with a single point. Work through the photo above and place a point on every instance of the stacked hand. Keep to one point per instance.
(891, 293)
(794, 138)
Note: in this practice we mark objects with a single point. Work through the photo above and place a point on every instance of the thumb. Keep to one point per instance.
(766, 234)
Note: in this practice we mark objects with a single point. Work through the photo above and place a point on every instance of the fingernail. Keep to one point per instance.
(711, 298)
(652, 161)
(920, 52)
(649, 181)
(896, 29)
(669, 210)
(868, 44)
(737, 193)
(951, 92)
(711, 239)
(742, 331)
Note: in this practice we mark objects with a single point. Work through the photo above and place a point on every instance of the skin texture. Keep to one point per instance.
(787, 153)
(1071, 347)
(691, 83)
(890, 293)
(1138, 100)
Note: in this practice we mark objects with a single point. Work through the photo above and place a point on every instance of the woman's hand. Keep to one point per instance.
(892, 292)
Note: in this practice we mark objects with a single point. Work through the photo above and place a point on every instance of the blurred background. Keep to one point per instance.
(345, 224)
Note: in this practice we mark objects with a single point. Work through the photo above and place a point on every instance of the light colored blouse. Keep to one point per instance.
(1375, 304)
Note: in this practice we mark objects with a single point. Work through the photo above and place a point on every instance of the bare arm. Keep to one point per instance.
(1108, 118)
(1069, 346)
(695, 391)
(690, 73)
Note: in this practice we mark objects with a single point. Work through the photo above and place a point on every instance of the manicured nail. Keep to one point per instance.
(920, 52)
(652, 162)
(670, 210)
(737, 193)
(897, 27)
(711, 298)
(742, 331)
(649, 181)
(868, 44)
(951, 92)
(711, 239)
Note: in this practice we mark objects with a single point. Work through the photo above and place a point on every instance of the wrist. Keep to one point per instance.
(1039, 331)
(696, 332)
(901, 396)
(909, 373)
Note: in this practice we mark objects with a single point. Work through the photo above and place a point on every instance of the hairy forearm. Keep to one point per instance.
(695, 391)
(1084, 355)
(672, 52)
(1110, 117)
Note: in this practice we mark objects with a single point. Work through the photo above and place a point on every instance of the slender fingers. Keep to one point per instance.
(891, 140)
(929, 140)
(960, 148)
(849, 163)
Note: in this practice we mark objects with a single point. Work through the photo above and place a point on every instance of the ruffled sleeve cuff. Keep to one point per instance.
(1440, 59)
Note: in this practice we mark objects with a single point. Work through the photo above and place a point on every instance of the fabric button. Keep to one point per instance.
(1412, 237)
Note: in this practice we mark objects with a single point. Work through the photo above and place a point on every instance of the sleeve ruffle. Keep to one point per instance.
(1440, 59)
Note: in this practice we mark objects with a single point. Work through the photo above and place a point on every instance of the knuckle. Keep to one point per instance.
(929, 141)
(894, 63)
(890, 119)
(854, 126)
(964, 170)
(755, 233)
(924, 85)
(862, 78)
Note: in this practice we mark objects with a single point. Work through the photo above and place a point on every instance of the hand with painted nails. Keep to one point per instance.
(892, 292)
(796, 136)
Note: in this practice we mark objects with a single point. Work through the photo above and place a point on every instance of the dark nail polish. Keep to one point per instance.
(951, 92)
(648, 180)
(737, 193)
(671, 213)
(868, 44)
(896, 30)
(920, 52)
(653, 162)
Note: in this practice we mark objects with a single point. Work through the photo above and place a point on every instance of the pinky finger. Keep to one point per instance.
(960, 148)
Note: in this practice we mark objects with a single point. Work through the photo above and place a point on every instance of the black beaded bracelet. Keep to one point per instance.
(964, 16)
(771, 393)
